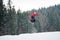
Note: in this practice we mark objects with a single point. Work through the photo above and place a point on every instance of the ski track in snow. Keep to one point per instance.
(33, 36)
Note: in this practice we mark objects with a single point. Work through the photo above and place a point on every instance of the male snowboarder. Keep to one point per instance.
(32, 16)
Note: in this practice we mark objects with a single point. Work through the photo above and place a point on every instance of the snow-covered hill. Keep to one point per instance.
(33, 36)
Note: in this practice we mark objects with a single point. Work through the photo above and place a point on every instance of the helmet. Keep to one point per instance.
(34, 12)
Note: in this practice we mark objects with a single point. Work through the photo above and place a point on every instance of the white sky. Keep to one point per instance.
(33, 36)
(25, 5)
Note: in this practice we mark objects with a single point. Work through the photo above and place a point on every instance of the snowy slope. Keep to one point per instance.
(33, 36)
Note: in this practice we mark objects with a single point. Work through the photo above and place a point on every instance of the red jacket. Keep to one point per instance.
(32, 14)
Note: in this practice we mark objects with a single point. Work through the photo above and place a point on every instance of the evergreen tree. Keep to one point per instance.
(1, 18)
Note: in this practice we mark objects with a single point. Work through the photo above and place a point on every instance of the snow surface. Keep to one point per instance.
(33, 36)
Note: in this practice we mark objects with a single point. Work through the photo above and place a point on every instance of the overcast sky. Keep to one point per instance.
(25, 5)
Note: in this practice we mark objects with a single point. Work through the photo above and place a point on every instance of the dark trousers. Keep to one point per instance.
(32, 19)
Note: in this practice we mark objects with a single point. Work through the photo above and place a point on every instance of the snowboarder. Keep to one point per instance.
(32, 16)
